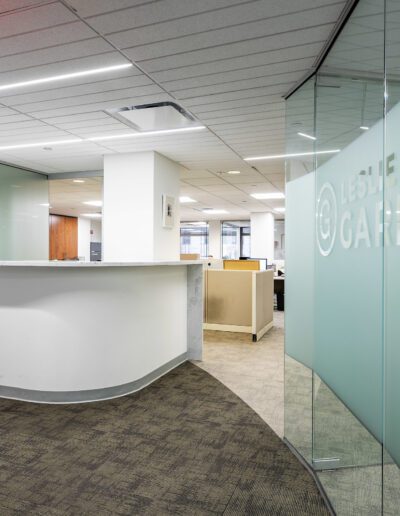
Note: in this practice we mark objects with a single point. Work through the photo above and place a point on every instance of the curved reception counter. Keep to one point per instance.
(76, 332)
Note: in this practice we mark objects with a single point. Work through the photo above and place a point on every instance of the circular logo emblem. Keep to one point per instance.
(326, 219)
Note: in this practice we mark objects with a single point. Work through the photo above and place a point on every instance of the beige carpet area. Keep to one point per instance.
(252, 370)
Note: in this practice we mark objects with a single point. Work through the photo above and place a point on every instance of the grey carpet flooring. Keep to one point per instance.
(185, 445)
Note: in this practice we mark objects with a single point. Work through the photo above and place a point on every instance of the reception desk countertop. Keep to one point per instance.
(73, 263)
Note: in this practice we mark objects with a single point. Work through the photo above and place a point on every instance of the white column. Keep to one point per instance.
(214, 238)
(134, 186)
(262, 235)
(84, 238)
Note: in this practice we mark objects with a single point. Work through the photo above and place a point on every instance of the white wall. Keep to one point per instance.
(134, 184)
(128, 207)
(214, 238)
(96, 229)
(166, 181)
(279, 237)
(262, 235)
(84, 238)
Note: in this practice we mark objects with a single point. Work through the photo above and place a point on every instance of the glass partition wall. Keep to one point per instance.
(342, 386)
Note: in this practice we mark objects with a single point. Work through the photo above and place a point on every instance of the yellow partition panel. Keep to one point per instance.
(242, 265)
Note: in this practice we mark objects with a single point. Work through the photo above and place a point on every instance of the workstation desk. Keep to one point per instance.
(85, 331)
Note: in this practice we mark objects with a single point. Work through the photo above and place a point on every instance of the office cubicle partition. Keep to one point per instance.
(342, 410)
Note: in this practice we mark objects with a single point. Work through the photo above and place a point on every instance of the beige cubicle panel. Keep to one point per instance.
(239, 301)
(263, 300)
(190, 256)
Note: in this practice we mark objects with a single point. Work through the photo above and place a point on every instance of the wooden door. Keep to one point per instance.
(63, 237)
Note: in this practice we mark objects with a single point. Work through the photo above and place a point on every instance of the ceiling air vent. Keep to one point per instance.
(154, 117)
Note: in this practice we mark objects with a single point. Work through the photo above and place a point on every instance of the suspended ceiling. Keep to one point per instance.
(228, 62)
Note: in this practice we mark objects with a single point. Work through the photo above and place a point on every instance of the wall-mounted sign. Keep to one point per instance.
(168, 211)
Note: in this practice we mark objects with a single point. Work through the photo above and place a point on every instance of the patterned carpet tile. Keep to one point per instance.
(184, 445)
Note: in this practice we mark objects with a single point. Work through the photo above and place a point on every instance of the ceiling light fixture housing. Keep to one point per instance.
(154, 117)
(184, 199)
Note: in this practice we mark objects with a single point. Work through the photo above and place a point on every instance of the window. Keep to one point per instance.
(194, 238)
(236, 239)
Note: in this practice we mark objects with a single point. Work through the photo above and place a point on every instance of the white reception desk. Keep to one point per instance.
(75, 332)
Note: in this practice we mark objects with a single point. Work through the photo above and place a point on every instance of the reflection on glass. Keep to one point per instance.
(24, 214)
(298, 406)
(299, 270)
(194, 238)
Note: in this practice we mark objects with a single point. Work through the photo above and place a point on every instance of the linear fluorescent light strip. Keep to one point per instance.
(147, 133)
(268, 195)
(278, 156)
(304, 135)
(212, 211)
(64, 76)
(100, 138)
(40, 144)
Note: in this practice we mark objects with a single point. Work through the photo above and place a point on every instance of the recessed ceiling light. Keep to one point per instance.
(279, 156)
(64, 76)
(94, 203)
(212, 211)
(233, 172)
(45, 204)
(304, 135)
(184, 199)
(281, 209)
(364, 127)
(268, 195)
(92, 215)
(78, 180)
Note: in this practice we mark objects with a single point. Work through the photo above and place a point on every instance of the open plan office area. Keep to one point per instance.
(199, 224)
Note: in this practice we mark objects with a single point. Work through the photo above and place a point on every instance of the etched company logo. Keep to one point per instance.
(365, 211)
(326, 219)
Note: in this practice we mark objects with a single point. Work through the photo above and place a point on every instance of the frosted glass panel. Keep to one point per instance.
(354, 358)
(24, 214)
(391, 472)
(349, 262)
